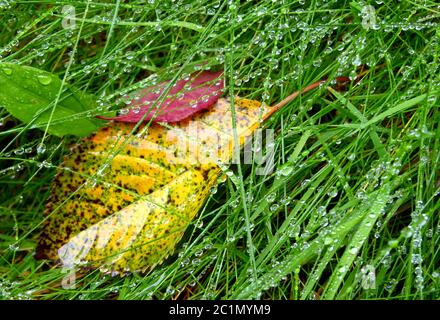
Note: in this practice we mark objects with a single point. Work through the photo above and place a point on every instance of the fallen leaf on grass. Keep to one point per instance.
(122, 202)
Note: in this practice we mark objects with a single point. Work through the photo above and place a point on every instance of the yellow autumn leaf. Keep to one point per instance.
(121, 202)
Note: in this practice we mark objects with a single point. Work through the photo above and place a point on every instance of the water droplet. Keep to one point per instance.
(416, 259)
(321, 211)
(44, 79)
(124, 111)
(317, 62)
(130, 55)
(13, 247)
(271, 197)
(333, 192)
(429, 233)
(294, 231)
(285, 171)
(170, 291)
(213, 190)
(294, 117)
(136, 110)
(261, 11)
(389, 285)
(285, 201)
(199, 224)
(184, 263)
(342, 269)
(19, 151)
(234, 203)
(304, 183)
(7, 71)
(198, 253)
(357, 61)
(368, 277)
(353, 250)
(41, 149)
(305, 245)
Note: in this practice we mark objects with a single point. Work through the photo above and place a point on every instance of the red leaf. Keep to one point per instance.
(203, 91)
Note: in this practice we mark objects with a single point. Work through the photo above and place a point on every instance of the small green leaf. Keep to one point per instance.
(32, 96)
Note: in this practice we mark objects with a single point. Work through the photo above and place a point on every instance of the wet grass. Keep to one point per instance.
(350, 210)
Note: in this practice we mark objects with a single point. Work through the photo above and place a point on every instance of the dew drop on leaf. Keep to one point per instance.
(136, 110)
(44, 80)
